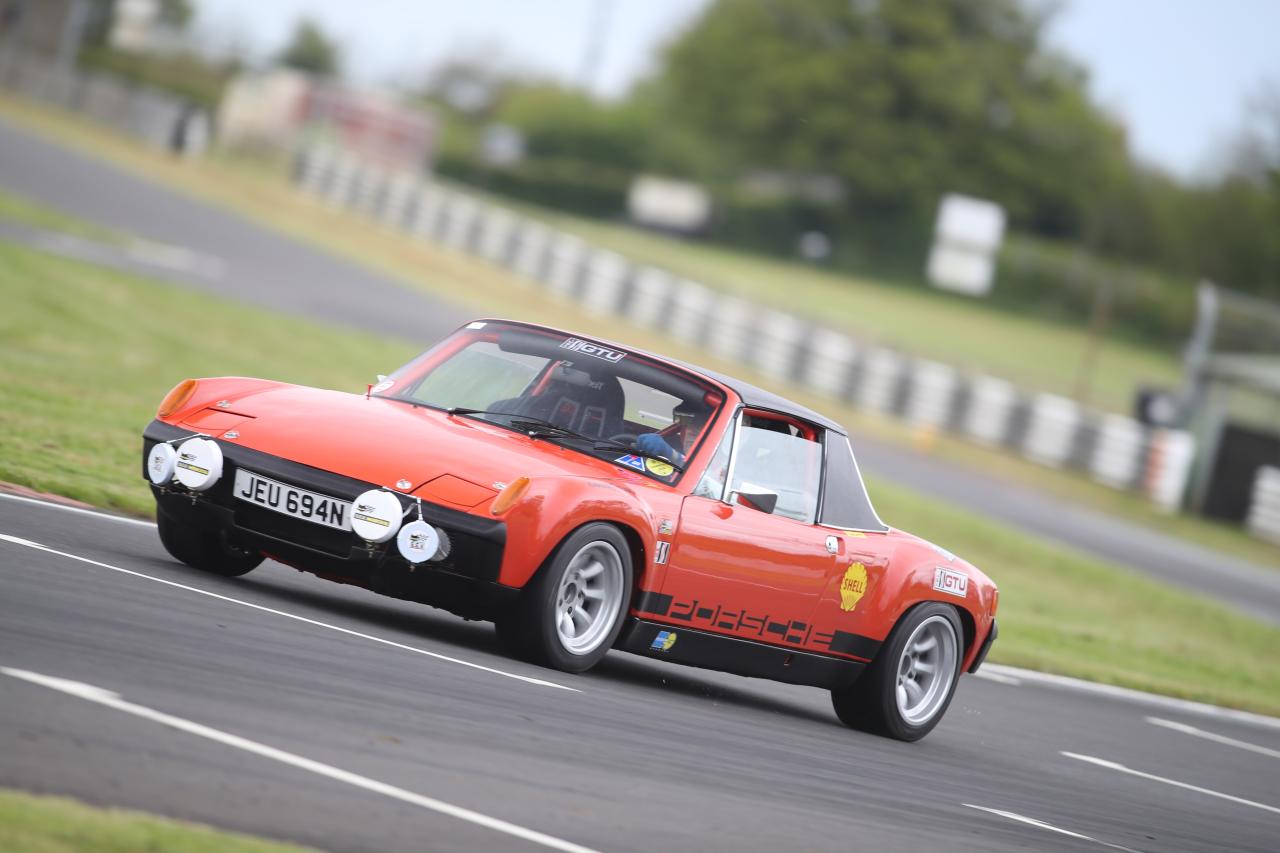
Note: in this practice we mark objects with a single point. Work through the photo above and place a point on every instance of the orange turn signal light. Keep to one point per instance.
(509, 495)
(176, 398)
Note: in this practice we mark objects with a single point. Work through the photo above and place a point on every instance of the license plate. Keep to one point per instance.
(290, 500)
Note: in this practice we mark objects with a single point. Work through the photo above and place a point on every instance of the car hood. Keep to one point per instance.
(453, 459)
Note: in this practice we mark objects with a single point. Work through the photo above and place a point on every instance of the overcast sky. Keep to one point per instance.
(1177, 73)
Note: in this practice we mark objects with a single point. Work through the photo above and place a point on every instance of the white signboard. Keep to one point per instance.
(966, 239)
(666, 203)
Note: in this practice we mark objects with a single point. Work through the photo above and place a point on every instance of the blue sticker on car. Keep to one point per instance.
(631, 461)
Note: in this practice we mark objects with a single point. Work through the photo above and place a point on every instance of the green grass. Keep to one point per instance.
(41, 824)
(85, 355)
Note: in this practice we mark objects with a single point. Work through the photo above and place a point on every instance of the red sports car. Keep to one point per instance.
(583, 496)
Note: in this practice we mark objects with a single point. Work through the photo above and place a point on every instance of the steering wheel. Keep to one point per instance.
(627, 438)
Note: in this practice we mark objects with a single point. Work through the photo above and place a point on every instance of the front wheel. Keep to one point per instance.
(905, 691)
(571, 613)
(207, 550)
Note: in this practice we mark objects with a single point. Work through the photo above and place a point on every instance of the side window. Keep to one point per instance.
(712, 483)
(783, 458)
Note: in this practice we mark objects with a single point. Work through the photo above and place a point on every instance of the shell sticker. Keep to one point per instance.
(853, 587)
(658, 467)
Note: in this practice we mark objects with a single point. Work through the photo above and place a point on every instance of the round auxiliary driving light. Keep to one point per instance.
(418, 541)
(199, 464)
(376, 516)
(160, 463)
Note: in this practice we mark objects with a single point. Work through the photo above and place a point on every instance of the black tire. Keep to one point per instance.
(532, 629)
(872, 703)
(207, 550)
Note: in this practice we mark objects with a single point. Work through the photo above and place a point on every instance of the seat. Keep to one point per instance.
(573, 399)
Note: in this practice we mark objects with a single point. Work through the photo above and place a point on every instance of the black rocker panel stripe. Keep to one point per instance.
(693, 647)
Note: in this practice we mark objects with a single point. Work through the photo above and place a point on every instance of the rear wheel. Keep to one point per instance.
(570, 614)
(207, 550)
(905, 691)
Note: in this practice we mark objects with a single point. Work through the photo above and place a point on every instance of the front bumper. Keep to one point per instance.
(465, 580)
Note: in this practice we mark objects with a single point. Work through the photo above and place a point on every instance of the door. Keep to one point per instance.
(749, 560)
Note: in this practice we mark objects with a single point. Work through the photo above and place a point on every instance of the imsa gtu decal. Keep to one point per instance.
(950, 582)
(593, 349)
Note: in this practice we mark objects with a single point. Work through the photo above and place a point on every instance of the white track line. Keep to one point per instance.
(91, 693)
(37, 546)
(997, 677)
(1216, 738)
(1039, 824)
(106, 516)
(1111, 765)
(1127, 695)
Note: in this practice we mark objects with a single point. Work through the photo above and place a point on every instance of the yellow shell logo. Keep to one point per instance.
(853, 587)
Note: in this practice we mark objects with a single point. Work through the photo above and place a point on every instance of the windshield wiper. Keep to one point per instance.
(466, 410)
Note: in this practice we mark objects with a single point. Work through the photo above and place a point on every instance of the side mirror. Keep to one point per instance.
(756, 498)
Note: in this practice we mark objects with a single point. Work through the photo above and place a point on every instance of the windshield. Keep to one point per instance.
(609, 403)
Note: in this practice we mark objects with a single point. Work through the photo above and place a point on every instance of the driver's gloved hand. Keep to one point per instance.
(652, 444)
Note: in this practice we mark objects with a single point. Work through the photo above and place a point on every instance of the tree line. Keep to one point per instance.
(853, 117)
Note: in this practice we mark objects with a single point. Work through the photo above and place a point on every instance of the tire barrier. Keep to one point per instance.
(157, 118)
(1047, 429)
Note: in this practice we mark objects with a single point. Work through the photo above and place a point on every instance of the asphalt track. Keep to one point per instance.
(380, 704)
(209, 248)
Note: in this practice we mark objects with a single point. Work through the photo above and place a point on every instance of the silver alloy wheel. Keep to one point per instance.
(926, 670)
(589, 598)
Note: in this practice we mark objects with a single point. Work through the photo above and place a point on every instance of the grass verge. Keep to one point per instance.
(41, 824)
(86, 354)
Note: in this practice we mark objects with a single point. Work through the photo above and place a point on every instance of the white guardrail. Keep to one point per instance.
(1051, 430)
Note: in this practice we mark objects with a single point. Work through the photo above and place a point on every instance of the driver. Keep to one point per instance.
(676, 441)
